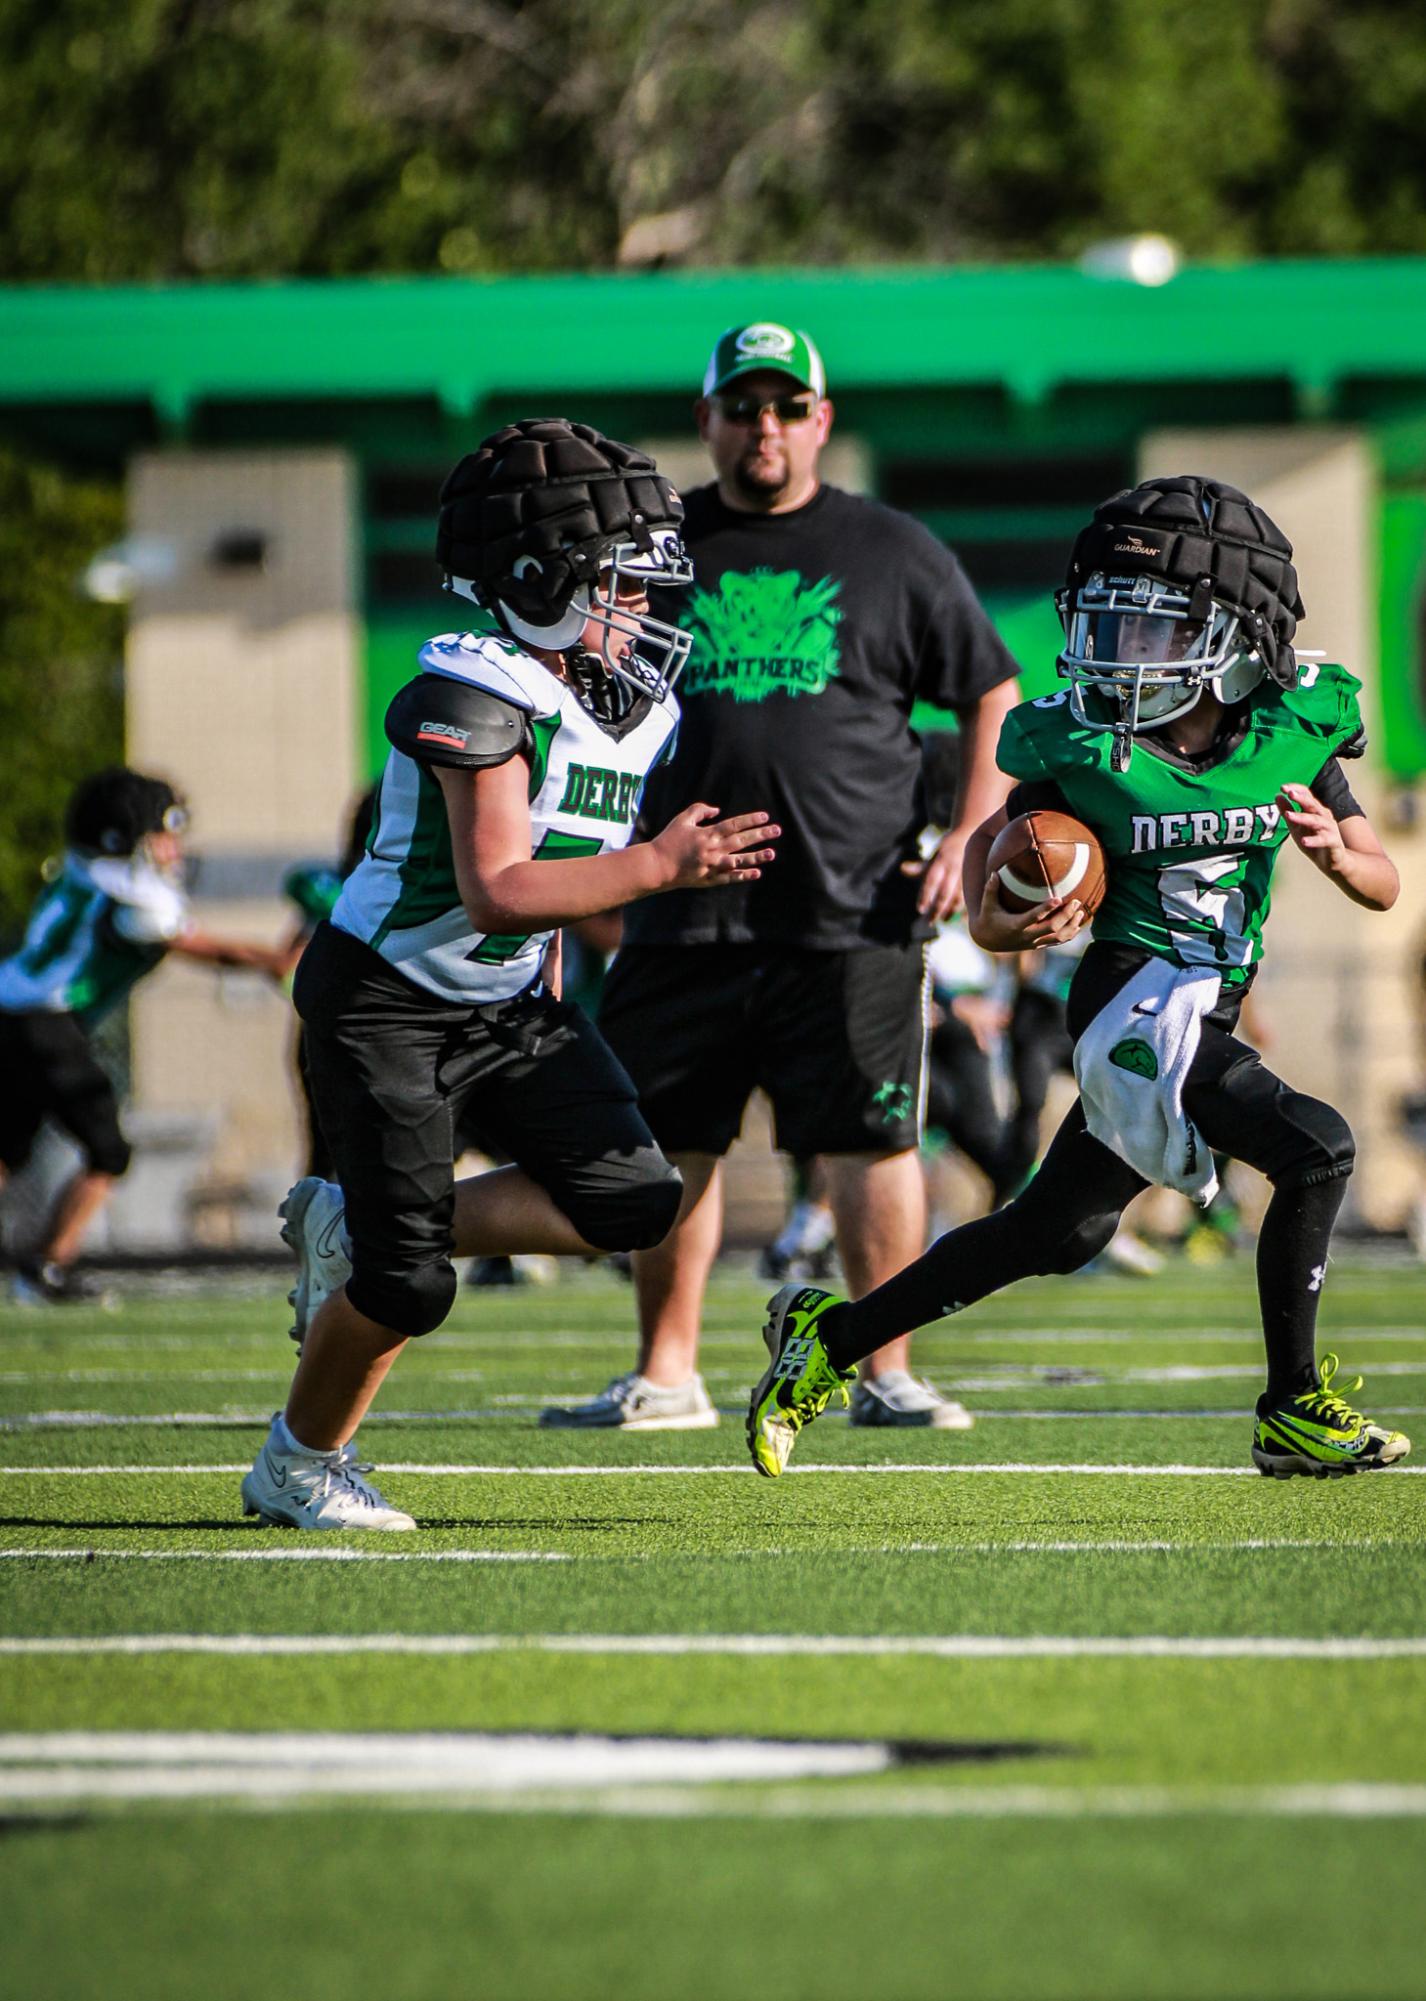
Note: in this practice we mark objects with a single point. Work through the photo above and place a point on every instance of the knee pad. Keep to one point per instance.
(109, 1155)
(1321, 1147)
(410, 1302)
(625, 1203)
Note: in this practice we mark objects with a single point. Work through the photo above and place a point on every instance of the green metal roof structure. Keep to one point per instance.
(1319, 339)
(998, 404)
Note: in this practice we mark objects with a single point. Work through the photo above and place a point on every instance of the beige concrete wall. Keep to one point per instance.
(242, 686)
(1334, 987)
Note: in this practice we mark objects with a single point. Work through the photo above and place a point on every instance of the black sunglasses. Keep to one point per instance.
(786, 409)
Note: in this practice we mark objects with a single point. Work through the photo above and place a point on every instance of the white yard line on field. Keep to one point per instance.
(656, 1777)
(959, 1646)
(304, 1553)
(1066, 1331)
(944, 1469)
(307, 1553)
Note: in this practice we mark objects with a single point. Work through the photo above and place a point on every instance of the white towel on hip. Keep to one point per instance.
(1131, 1064)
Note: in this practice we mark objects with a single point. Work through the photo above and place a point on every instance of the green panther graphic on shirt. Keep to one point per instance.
(763, 632)
(1190, 853)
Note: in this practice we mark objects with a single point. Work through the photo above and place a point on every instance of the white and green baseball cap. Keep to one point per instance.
(764, 345)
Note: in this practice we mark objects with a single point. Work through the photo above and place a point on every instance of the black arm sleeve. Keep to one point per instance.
(440, 721)
(1331, 787)
(1037, 795)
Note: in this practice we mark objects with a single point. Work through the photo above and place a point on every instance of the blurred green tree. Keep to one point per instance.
(61, 688)
(237, 138)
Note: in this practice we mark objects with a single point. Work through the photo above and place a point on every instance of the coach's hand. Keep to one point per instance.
(940, 877)
(703, 852)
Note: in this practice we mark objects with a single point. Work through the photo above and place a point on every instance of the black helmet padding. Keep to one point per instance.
(1210, 541)
(547, 498)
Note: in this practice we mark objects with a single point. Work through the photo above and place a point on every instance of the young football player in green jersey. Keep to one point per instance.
(112, 909)
(431, 994)
(1195, 744)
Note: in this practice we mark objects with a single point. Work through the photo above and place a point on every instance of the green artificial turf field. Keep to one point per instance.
(1073, 1705)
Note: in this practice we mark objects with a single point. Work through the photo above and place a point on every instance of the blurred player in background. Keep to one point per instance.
(1195, 744)
(112, 909)
(968, 1021)
(314, 890)
(819, 619)
(433, 991)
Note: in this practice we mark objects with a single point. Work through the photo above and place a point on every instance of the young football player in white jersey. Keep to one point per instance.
(505, 810)
(1196, 744)
(112, 908)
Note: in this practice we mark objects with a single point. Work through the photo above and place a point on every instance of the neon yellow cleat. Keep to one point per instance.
(800, 1380)
(1319, 1434)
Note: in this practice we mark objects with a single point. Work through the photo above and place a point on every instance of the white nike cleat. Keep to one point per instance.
(314, 1225)
(632, 1403)
(898, 1398)
(316, 1490)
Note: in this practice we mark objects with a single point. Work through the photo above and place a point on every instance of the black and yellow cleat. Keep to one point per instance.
(800, 1381)
(1320, 1435)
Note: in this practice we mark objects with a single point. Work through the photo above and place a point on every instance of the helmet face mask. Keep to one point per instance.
(1145, 651)
(656, 658)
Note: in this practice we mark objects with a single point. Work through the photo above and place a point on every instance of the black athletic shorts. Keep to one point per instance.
(836, 1039)
(395, 1071)
(48, 1070)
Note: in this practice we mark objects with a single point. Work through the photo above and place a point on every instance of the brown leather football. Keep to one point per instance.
(1041, 855)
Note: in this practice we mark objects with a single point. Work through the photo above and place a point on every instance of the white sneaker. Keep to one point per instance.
(632, 1403)
(316, 1490)
(897, 1398)
(314, 1225)
(1129, 1253)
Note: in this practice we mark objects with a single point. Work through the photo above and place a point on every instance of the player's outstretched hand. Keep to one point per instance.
(996, 929)
(704, 852)
(1314, 827)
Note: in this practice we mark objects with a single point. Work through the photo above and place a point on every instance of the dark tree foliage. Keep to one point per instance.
(61, 696)
(202, 138)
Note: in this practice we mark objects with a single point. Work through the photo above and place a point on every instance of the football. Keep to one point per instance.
(1041, 855)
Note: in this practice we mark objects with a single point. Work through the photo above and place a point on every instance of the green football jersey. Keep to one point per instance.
(1189, 854)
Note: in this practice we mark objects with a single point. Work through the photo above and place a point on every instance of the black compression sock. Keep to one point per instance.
(959, 1269)
(1292, 1268)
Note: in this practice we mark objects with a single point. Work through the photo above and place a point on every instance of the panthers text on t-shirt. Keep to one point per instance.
(814, 635)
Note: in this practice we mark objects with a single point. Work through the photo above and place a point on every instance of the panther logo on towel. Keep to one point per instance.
(1135, 1056)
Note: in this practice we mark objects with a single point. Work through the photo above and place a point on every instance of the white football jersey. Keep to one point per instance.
(586, 783)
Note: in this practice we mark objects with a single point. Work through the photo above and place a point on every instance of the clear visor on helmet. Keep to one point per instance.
(646, 651)
(1133, 642)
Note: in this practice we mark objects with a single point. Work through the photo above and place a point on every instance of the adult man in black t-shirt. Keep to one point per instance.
(818, 620)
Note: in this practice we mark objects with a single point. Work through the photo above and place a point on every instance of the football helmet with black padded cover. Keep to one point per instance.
(114, 811)
(550, 524)
(1176, 585)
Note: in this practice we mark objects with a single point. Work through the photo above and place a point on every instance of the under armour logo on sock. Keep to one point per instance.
(1319, 1272)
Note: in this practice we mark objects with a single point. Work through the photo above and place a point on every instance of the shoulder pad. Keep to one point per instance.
(487, 660)
(438, 720)
(1325, 701)
(1034, 737)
